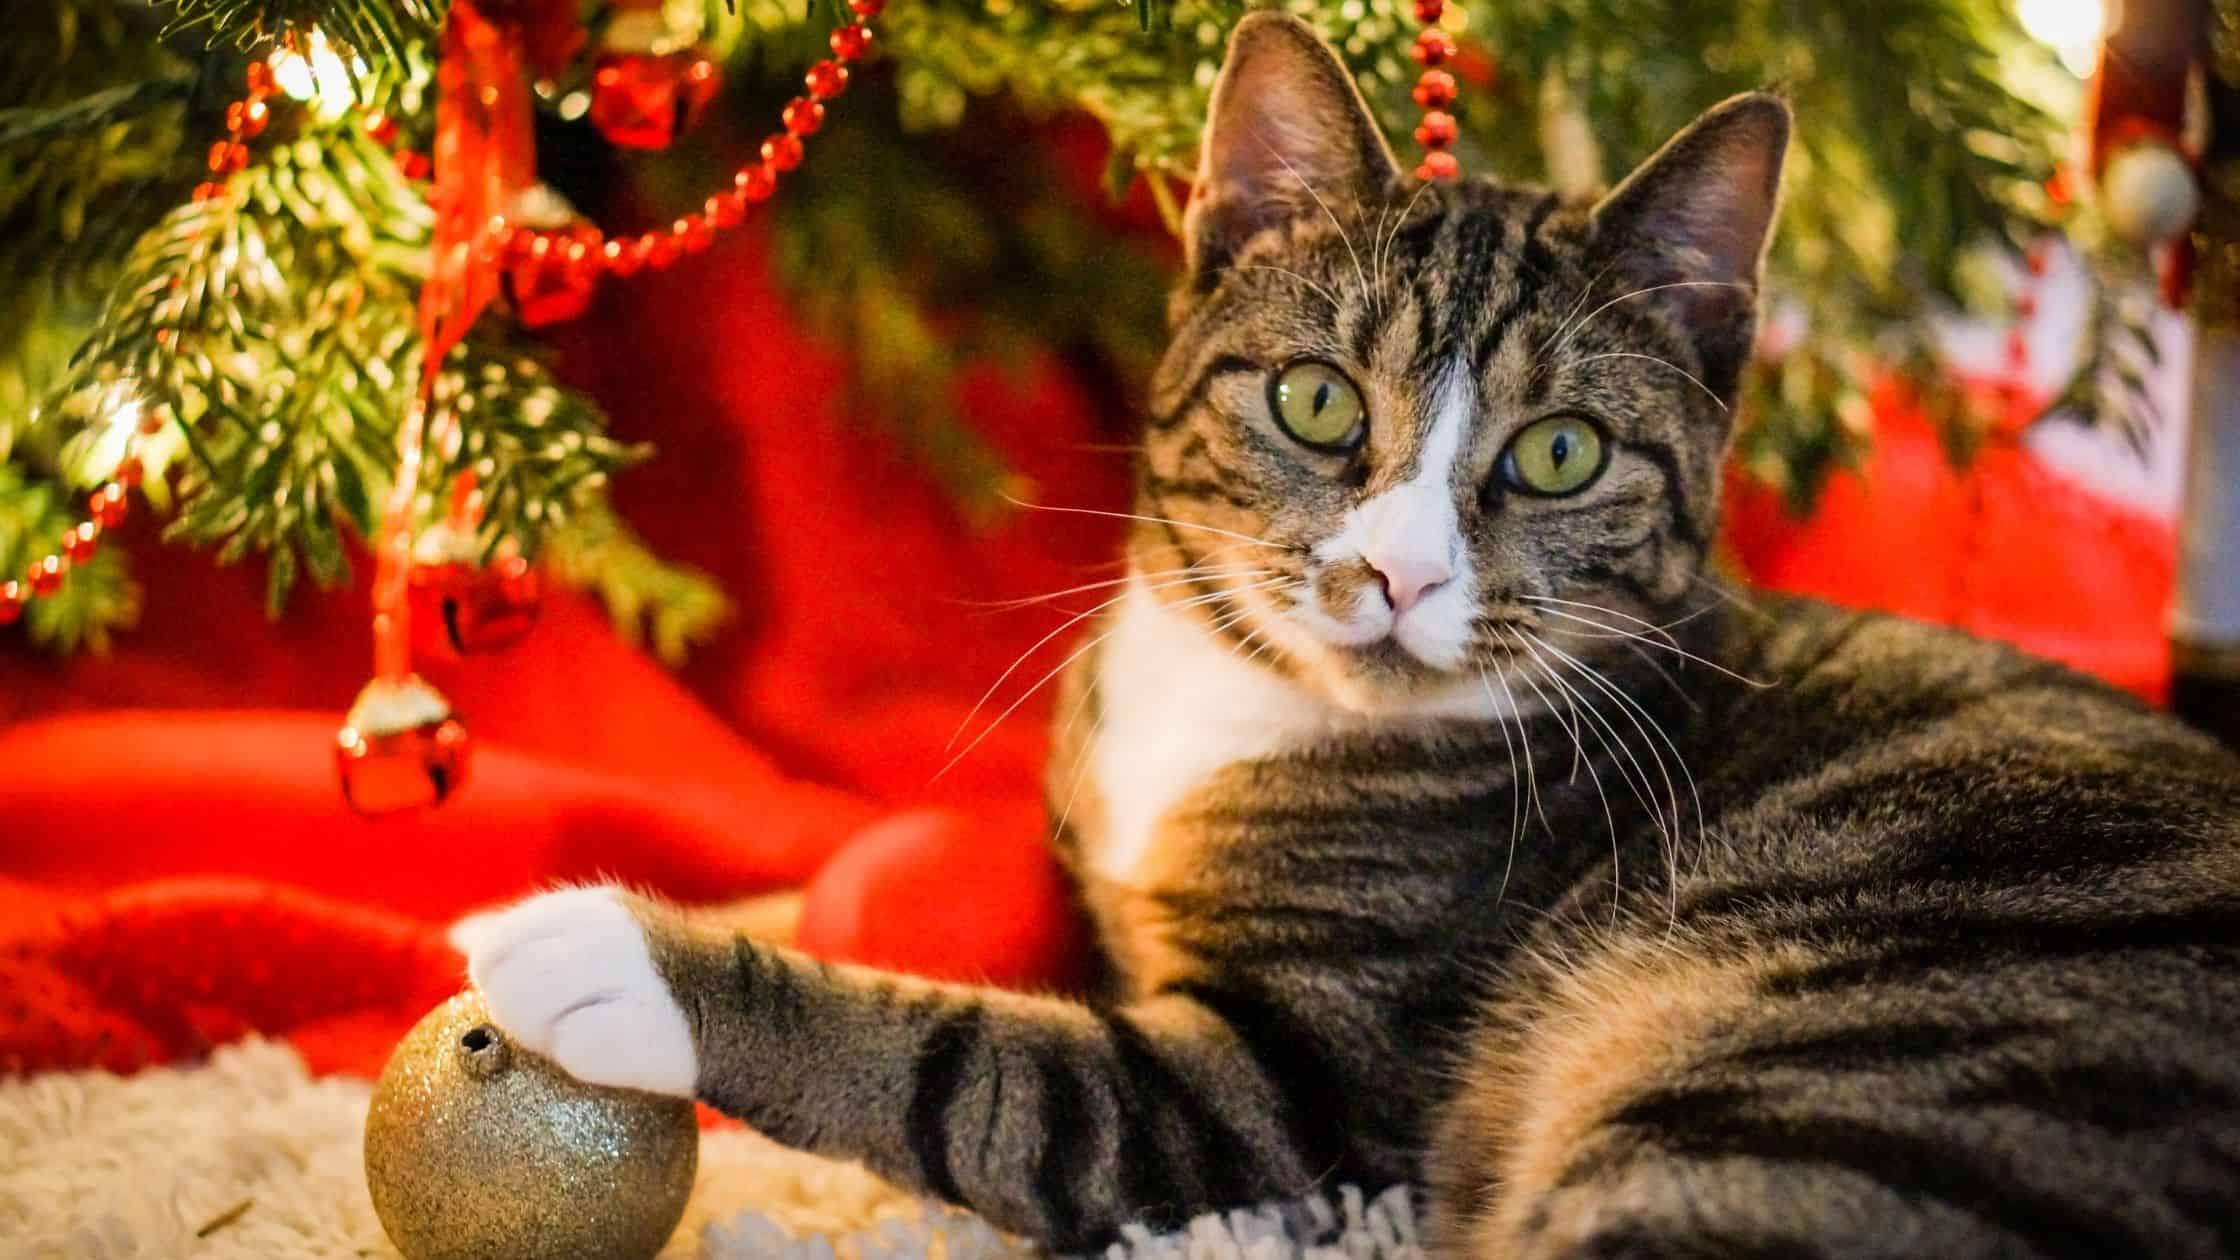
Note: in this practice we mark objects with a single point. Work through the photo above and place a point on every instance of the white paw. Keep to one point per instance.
(568, 976)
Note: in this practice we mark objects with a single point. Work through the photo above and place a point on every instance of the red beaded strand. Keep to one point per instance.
(592, 251)
(1435, 92)
(581, 250)
(106, 509)
(246, 119)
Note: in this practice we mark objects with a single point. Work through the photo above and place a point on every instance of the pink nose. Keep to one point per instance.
(1407, 581)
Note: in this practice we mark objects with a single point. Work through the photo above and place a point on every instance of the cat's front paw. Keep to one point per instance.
(569, 975)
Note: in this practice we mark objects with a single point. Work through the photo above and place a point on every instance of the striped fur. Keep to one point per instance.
(1634, 918)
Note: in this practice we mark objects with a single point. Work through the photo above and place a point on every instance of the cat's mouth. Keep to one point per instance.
(1385, 656)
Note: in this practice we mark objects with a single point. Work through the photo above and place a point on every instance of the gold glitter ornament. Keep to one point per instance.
(478, 1150)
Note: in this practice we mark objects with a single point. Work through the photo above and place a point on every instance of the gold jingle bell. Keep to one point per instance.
(478, 1150)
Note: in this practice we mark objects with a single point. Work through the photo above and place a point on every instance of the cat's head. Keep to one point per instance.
(1403, 430)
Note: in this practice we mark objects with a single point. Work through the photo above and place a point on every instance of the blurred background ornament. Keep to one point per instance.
(2148, 192)
(478, 1150)
(651, 82)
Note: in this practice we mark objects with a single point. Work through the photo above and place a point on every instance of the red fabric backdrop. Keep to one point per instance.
(176, 867)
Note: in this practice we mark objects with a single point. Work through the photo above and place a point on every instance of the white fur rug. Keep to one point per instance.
(249, 1158)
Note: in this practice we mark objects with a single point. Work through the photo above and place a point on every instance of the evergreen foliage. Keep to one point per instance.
(273, 328)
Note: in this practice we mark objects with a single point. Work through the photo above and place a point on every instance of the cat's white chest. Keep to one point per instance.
(1177, 705)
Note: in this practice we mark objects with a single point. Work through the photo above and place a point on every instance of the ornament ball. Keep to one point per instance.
(2149, 193)
(478, 1150)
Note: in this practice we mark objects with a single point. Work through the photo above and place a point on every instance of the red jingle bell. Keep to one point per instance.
(643, 100)
(462, 606)
(400, 748)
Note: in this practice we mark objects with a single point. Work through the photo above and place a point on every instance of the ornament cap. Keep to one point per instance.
(393, 706)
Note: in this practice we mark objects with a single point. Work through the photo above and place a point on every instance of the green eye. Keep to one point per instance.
(1555, 456)
(1317, 405)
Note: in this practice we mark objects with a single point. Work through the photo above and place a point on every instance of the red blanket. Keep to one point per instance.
(176, 867)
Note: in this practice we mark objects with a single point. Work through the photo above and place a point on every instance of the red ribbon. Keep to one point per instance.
(485, 155)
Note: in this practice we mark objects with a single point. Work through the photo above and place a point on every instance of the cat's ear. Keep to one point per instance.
(1697, 215)
(1287, 129)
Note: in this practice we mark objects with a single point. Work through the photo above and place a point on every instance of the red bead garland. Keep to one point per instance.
(1435, 92)
(558, 266)
(106, 508)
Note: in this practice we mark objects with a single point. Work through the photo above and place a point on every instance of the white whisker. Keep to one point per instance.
(1516, 789)
(1663, 645)
(1623, 297)
(1343, 235)
(1327, 295)
(1609, 815)
(1153, 520)
(1044, 681)
(1693, 379)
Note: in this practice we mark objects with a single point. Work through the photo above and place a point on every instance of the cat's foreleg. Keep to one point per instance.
(1049, 1117)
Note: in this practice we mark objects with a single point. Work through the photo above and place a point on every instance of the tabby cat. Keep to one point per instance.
(1445, 822)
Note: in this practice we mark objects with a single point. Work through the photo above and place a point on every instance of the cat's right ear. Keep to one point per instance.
(1288, 134)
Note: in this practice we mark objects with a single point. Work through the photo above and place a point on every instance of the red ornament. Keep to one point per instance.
(545, 287)
(413, 164)
(1437, 130)
(850, 43)
(1429, 11)
(382, 129)
(1432, 47)
(130, 473)
(827, 79)
(110, 505)
(260, 80)
(692, 234)
(81, 541)
(782, 152)
(400, 748)
(644, 100)
(1438, 164)
(463, 607)
(622, 257)
(1435, 90)
(45, 575)
(756, 183)
(228, 156)
(247, 119)
(867, 9)
(12, 597)
(803, 116)
(208, 191)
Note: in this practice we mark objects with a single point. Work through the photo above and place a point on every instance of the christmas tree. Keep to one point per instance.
(220, 231)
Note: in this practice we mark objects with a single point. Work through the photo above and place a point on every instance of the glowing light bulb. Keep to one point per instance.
(318, 76)
(2072, 28)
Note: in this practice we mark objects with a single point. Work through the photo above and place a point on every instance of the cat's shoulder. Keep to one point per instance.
(1879, 670)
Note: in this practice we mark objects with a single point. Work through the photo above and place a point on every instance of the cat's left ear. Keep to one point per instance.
(1697, 216)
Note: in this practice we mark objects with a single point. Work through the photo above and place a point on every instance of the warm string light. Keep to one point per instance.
(2072, 28)
(1435, 92)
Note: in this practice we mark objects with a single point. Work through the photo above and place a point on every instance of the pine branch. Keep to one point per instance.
(273, 330)
(382, 30)
(666, 606)
(853, 258)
